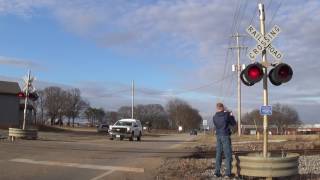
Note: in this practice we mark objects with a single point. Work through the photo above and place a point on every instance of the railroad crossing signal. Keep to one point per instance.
(264, 42)
(28, 90)
(282, 73)
(33, 96)
(253, 73)
(28, 84)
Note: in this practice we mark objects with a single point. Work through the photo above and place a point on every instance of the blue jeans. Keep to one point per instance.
(223, 143)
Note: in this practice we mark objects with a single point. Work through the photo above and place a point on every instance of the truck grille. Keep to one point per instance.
(119, 130)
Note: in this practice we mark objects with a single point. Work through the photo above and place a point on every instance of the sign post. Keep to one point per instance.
(204, 124)
(27, 89)
(262, 47)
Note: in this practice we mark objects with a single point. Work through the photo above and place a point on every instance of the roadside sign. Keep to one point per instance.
(205, 122)
(264, 42)
(266, 110)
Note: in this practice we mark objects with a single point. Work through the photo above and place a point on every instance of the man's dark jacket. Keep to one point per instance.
(223, 121)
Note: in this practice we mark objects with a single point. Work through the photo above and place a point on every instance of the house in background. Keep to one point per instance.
(10, 113)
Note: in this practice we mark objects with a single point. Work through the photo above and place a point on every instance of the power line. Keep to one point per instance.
(224, 71)
(206, 85)
(235, 26)
(251, 21)
(241, 15)
(275, 13)
(237, 7)
(114, 93)
(166, 93)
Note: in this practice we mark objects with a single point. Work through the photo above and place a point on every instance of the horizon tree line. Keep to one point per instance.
(56, 106)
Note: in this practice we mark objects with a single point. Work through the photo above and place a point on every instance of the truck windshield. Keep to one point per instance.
(123, 123)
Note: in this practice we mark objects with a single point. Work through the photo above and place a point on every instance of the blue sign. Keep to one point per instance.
(266, 110)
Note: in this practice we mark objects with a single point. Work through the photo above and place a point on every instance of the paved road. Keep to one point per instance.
(87, 156)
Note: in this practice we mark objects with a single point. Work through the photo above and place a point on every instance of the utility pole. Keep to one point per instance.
(265, 82)
(238, 68)
(132, 101)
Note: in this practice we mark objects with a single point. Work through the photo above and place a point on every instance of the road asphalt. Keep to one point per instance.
(91, 156)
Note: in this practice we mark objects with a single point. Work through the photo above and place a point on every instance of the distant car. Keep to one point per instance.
(103, 128)
(126, 128)
(194, 132)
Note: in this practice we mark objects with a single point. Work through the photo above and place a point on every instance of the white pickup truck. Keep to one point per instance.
(126, 128)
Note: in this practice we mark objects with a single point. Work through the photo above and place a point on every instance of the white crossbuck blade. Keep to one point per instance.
(264, 42)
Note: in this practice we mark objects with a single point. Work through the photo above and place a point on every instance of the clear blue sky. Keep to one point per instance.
(66, 58)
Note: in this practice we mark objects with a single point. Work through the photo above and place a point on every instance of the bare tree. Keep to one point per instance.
(39, 106)
(54, 99)
(74, 104)
(111, 116)
(252, 118)
(282, 116)
(95, 115)
(152, 115)
(182, 114)
(125, 112)
(174, 108)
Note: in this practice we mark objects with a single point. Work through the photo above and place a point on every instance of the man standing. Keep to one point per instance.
(223, 120)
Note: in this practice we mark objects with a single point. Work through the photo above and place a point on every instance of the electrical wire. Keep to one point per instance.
(235, 16)
(241, 15)
(114, 93)
(275, 13)
(166, 93)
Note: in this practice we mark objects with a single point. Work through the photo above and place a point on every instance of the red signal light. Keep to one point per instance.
(21, 95)
(252, 74)
(282, 73)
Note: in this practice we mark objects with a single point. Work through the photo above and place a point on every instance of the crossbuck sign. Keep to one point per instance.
(264, 42)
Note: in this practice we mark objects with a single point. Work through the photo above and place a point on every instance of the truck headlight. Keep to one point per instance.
(128, 129)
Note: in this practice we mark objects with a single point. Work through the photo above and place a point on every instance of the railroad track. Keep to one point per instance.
(302, 152)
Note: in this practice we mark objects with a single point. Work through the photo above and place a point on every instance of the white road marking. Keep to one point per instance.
(78, 165)
(102, 175)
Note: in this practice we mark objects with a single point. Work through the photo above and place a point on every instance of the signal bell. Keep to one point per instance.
(282, 73)
(252, 74)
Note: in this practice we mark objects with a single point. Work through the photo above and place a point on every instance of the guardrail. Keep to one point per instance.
(22, 133)
(276, 165)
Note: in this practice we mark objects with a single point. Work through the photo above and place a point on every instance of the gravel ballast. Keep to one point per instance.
(203, 168)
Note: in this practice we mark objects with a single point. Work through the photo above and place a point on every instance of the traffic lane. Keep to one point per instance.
(147, 155)
(18, 171)
(165, 145)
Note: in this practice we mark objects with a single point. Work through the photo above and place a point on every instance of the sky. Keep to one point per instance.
(170, 48)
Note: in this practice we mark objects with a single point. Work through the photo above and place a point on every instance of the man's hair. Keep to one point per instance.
(220, 106)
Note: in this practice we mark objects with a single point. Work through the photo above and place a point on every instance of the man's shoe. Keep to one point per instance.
(227, 177)
(216, 175)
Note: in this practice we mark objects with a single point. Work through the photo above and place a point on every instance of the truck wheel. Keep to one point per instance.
(111, 138)
(139, 137)
(131, 138)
